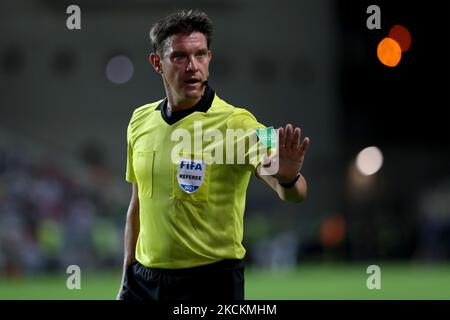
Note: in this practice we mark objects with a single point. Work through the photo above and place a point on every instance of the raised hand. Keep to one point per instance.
(291, 153)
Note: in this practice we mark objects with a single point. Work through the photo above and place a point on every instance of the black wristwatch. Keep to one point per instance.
(290, 184)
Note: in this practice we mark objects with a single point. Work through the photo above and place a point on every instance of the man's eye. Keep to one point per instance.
(179, 57)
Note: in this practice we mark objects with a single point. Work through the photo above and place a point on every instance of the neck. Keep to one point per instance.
(176, 103)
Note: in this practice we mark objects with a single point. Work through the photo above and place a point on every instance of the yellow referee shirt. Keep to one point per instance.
(191, 208)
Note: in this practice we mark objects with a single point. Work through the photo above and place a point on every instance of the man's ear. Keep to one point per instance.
(155, 61)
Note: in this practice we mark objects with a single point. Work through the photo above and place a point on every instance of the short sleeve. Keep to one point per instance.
(254, 150)
(242, 119)
(130, 177)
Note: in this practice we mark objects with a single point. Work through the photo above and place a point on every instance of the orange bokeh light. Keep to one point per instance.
(389, 52)
(402, 35)
(332, 230)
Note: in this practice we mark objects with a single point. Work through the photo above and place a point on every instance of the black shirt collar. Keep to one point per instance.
(202, 106)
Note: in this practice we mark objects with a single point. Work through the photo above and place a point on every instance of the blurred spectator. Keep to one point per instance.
(434, 222)
(48, 221)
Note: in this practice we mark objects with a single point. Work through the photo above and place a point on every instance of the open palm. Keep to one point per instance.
(291, 153)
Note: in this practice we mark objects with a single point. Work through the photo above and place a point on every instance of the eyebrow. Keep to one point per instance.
(185, 52)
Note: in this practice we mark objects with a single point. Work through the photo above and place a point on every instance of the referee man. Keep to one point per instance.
(184, 225)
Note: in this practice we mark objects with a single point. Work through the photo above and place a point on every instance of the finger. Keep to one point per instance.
(304, 146)
(296, 138)
(288, 136)
(280, 137)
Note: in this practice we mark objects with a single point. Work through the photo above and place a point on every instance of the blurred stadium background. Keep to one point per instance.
(67, 96)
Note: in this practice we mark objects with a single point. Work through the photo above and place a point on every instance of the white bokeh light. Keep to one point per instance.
(119, 69)
(369, 161)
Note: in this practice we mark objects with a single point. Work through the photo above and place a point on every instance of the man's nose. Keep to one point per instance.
(192, 65)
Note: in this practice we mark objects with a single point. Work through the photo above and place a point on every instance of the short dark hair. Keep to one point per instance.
(180, 22)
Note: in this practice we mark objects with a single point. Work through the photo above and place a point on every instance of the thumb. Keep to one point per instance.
(265, 161)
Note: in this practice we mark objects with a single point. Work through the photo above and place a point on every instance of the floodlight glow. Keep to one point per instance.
(369, 161)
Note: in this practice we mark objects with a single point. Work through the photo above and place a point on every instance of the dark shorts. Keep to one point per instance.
(223, 280)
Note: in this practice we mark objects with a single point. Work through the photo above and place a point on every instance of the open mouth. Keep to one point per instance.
(192, 81)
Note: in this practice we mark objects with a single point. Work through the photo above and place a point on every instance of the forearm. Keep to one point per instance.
(131, 234)
(296, 193)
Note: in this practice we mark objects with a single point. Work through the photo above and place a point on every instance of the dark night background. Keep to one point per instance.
(313, 63)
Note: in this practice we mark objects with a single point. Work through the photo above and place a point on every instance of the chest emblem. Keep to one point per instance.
(191, 174)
